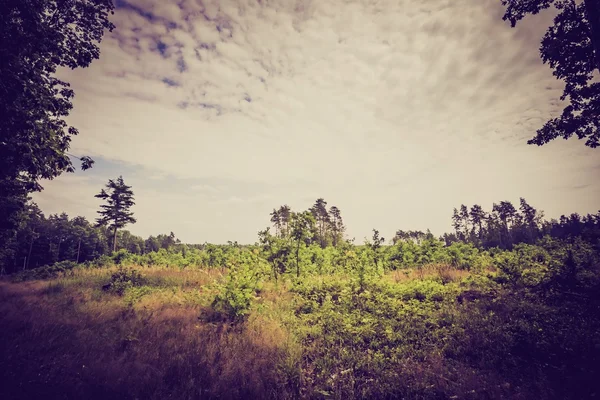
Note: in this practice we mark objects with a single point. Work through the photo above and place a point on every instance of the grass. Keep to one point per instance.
(69, 339)
(427, 333)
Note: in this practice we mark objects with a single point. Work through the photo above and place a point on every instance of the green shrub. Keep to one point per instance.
(133, 294)
(234, 298)
(123, 279)
(122, 257)
(103, 261)
(46, 272)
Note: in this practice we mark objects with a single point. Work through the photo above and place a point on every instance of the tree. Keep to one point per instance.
(456, 222)
(375, 247)
(115, 214)
(477, 217)
(531, 220)
(276, 221)
(285, 215)
(276, 251)
(464, 216)
(302, 227)
(337, 225)
(572, 49)
(400, 236)
(37, 37)
(321, 215)
(506, 214)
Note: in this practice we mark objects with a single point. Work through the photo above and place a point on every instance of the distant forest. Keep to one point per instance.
(42, 240)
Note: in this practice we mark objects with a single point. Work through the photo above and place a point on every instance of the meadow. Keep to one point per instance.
(347, 322)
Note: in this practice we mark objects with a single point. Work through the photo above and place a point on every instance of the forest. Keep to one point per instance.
(505, 306)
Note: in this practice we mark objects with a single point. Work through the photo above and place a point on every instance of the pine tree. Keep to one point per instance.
(321, 215)
(284, 219)
(115, 214)
(337, 225)
(276, 221)
(477, 216)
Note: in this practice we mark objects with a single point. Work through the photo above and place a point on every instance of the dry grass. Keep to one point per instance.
(67, 339)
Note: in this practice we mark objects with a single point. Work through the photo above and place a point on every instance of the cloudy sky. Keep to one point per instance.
(394, 111)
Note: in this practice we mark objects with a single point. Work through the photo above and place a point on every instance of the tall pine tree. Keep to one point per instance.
(115, 214)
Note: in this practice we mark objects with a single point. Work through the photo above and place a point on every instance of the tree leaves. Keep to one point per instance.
(115, 214)
(569, 47)
(37, 37)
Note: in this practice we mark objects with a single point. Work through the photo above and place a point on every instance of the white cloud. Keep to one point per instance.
(394, 111)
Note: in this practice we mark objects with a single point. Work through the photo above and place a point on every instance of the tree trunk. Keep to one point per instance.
(78, 248)
(58, 250)
(592, 10)
(115, 239)
(29, 253)
(298, 260)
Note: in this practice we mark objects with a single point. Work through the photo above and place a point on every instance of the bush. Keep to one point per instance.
(234, 299)
(122, 257)
(46, 272)
(103, 261)
(123, 279)
(134, 293)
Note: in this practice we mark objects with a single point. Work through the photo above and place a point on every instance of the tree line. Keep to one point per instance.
(506, 225)
(39, 240)
(326, 226)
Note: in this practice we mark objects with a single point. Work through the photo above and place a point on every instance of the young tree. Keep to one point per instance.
(375, 247)
(302, 227)
(572, 49)
(276, 251)
(116, 214)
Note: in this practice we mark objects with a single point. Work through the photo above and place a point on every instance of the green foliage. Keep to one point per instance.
(103, 261)
(47, 272)
(493, 335)
(115, 213)
(408, 253)
(360, 340)
(235, 297)
(124, 279)
(366, 271)
(34, 136)
(132, 294)
(572, 49)
(122, 257)
(518, 323)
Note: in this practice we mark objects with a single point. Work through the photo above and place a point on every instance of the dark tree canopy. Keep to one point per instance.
(572, 49)
(37, 37)
(115, 213)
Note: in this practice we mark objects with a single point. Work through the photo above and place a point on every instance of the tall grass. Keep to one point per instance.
(70, 339)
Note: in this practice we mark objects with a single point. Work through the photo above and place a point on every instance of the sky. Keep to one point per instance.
(216, 112)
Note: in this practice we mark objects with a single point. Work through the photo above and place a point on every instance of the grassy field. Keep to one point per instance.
(428, 333)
